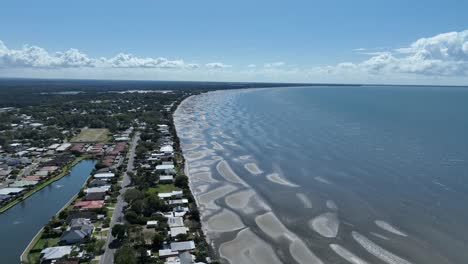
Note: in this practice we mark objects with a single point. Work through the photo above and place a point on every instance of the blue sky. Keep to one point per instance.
(296, 38)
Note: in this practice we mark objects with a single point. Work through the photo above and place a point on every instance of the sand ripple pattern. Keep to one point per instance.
(230, 178)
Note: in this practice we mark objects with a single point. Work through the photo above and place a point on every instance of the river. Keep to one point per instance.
(21, 223)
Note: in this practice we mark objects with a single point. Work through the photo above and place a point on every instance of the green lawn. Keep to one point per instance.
(162, 188)
(35, 256)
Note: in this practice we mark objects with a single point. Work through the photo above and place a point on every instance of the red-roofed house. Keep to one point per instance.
(90, 204)
(33, 178)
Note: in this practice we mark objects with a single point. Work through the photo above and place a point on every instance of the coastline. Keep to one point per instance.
(212, 252)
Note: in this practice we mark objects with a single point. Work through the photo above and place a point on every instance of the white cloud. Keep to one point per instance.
(36, 57)
(274, 64)
(217, 65)
(440, 59)
(441, 55)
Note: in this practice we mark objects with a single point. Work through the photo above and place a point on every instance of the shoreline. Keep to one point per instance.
(213, 253)
(41, 186)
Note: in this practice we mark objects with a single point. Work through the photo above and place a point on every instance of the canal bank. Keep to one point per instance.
(64, 171)
(22, 222)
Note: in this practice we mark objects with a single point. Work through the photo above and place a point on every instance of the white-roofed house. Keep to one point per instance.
(104, 175)
(175, 222)
(182, 246)
(64, 147)
(53, 253)
(178, 230)
(166, 168)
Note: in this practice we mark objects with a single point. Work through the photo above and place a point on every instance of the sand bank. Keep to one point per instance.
(208, 199)
(224, 221)
(346, 254)
(239, 200)
(226, 171)
(276, 178)
(388, 227)
(378, 251)
(248, 248)
(326, 224)
(253, 168)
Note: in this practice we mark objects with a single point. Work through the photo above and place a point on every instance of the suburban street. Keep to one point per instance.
(118, 216)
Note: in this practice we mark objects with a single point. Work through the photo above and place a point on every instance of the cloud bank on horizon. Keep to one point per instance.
(441, 57)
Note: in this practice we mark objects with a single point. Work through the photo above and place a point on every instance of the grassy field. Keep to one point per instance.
(92, 135)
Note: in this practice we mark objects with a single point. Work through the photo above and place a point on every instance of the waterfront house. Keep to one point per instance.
(95, 196)
(33, 178)
(85, 205)
(104, 176)
(175, 222)
(166, 253)
(97, 183)
(100, 189)
(80, 229)
(183, 246)
(41, 173)
(21, 184)
(54, 253)
(178, 230)
(75, 214)
(166, 168)
(10, 191)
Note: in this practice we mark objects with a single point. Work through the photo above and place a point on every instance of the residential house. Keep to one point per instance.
(54, 253)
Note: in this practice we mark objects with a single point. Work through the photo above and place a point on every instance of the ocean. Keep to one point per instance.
(371, 174)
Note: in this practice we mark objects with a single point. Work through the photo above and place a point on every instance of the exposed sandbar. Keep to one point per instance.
(204, 176)
(239, 200)
(208, 199)
(276, 178)
(302, 254)
(378, 251)
(248, 248)
(326, 224)
(346, 254)
(224, 221)
(388, 227)
(253, 168)
(226, 171)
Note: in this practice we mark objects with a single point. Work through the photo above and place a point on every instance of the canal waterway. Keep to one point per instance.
(21, 223)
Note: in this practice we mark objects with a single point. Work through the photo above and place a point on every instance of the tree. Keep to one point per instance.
(133, 194)
(158, 239)
(181, 181)
(118, 231)
(125, 255)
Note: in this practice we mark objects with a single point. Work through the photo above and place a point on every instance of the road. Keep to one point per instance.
(118, 216)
